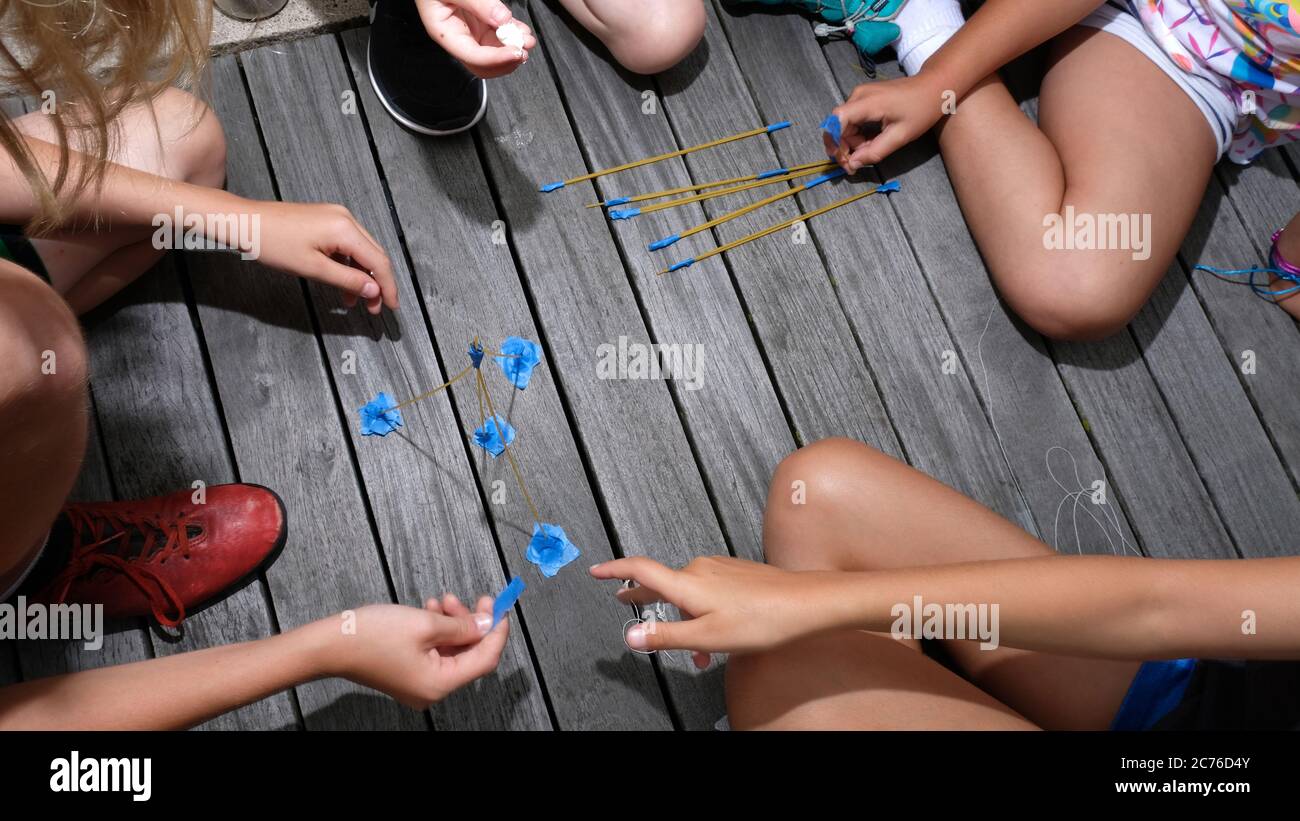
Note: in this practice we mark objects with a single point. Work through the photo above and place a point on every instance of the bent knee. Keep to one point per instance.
(40, 343)
(811, 488)
(194, 141)
(1086, 304)
(659, 38)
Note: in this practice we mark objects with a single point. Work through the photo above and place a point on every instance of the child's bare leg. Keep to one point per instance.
(87, 265)
(1288, 245)
(856, 681)
(841, 505)
(647, 36)
(1118, 137)
(43, 411)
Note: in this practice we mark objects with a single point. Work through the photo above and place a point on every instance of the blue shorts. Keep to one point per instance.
(1192, 694)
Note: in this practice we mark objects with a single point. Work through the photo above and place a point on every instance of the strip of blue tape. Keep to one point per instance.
(660, 244)
(829, 175)
(831, 128)
(506, 599)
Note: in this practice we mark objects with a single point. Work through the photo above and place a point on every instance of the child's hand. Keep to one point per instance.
(310, 240)
(467, 30)
(905, 108)
(417, 656)
(731, 605)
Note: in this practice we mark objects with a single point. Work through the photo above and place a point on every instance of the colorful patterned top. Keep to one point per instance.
(1250, 48)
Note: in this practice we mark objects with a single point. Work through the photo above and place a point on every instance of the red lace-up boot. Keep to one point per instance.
(164, 555)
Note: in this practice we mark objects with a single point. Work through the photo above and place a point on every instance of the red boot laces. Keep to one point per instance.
(117, 540)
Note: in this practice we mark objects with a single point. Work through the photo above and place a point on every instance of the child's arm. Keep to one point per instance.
(999, 32)
(305, 240)
(1088, 606)
(390, 648)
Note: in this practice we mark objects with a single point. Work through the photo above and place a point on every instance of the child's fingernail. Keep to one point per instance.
(370, 290)
(499, 15)
(484, 622)
(637, 637)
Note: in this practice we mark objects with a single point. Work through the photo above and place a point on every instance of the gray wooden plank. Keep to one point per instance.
(781, 285)
(439, 190)
(938, 416)
(419, 483)
(1163, 499)
(161, 432)
(649, 482)
(1030, 414)
(1251, 490)
(1233, 232)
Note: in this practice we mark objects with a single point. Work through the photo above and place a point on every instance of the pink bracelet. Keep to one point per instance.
(1276, 259)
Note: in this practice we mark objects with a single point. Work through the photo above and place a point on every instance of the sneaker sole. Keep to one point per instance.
(414, 126)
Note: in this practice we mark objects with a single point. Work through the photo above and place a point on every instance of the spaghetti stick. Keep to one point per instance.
(446, 384)
(740, 212)
(628, 213)
(519, 477)
(704, 186)
(767, 129)
(686, 263)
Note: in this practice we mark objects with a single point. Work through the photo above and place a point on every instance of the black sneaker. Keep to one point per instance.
(421, 85)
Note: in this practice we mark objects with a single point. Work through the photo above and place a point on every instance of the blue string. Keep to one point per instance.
(1265, 290)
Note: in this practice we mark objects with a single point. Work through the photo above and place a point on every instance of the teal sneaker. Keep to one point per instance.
(868, 23)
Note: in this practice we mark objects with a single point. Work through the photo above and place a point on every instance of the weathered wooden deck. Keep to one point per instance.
(216, 370)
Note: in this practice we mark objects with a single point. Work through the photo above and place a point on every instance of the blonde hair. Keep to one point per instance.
(96, 57)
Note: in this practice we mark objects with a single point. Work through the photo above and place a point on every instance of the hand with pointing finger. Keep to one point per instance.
(731, 605)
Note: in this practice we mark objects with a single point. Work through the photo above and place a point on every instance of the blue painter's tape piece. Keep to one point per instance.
(551, 186)
(775, 172)
(778, 126)
(888, 188)
(506, 599)
(615, 201)
(831, 128)
(829, 175)
(624, 213)
(660, 244)
(677, 266)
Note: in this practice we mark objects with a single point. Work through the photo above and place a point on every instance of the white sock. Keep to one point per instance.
(926, 25)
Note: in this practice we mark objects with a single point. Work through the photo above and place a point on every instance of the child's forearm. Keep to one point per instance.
(169, 693)
(1099, 606)
(128, 197)
(998, 33)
